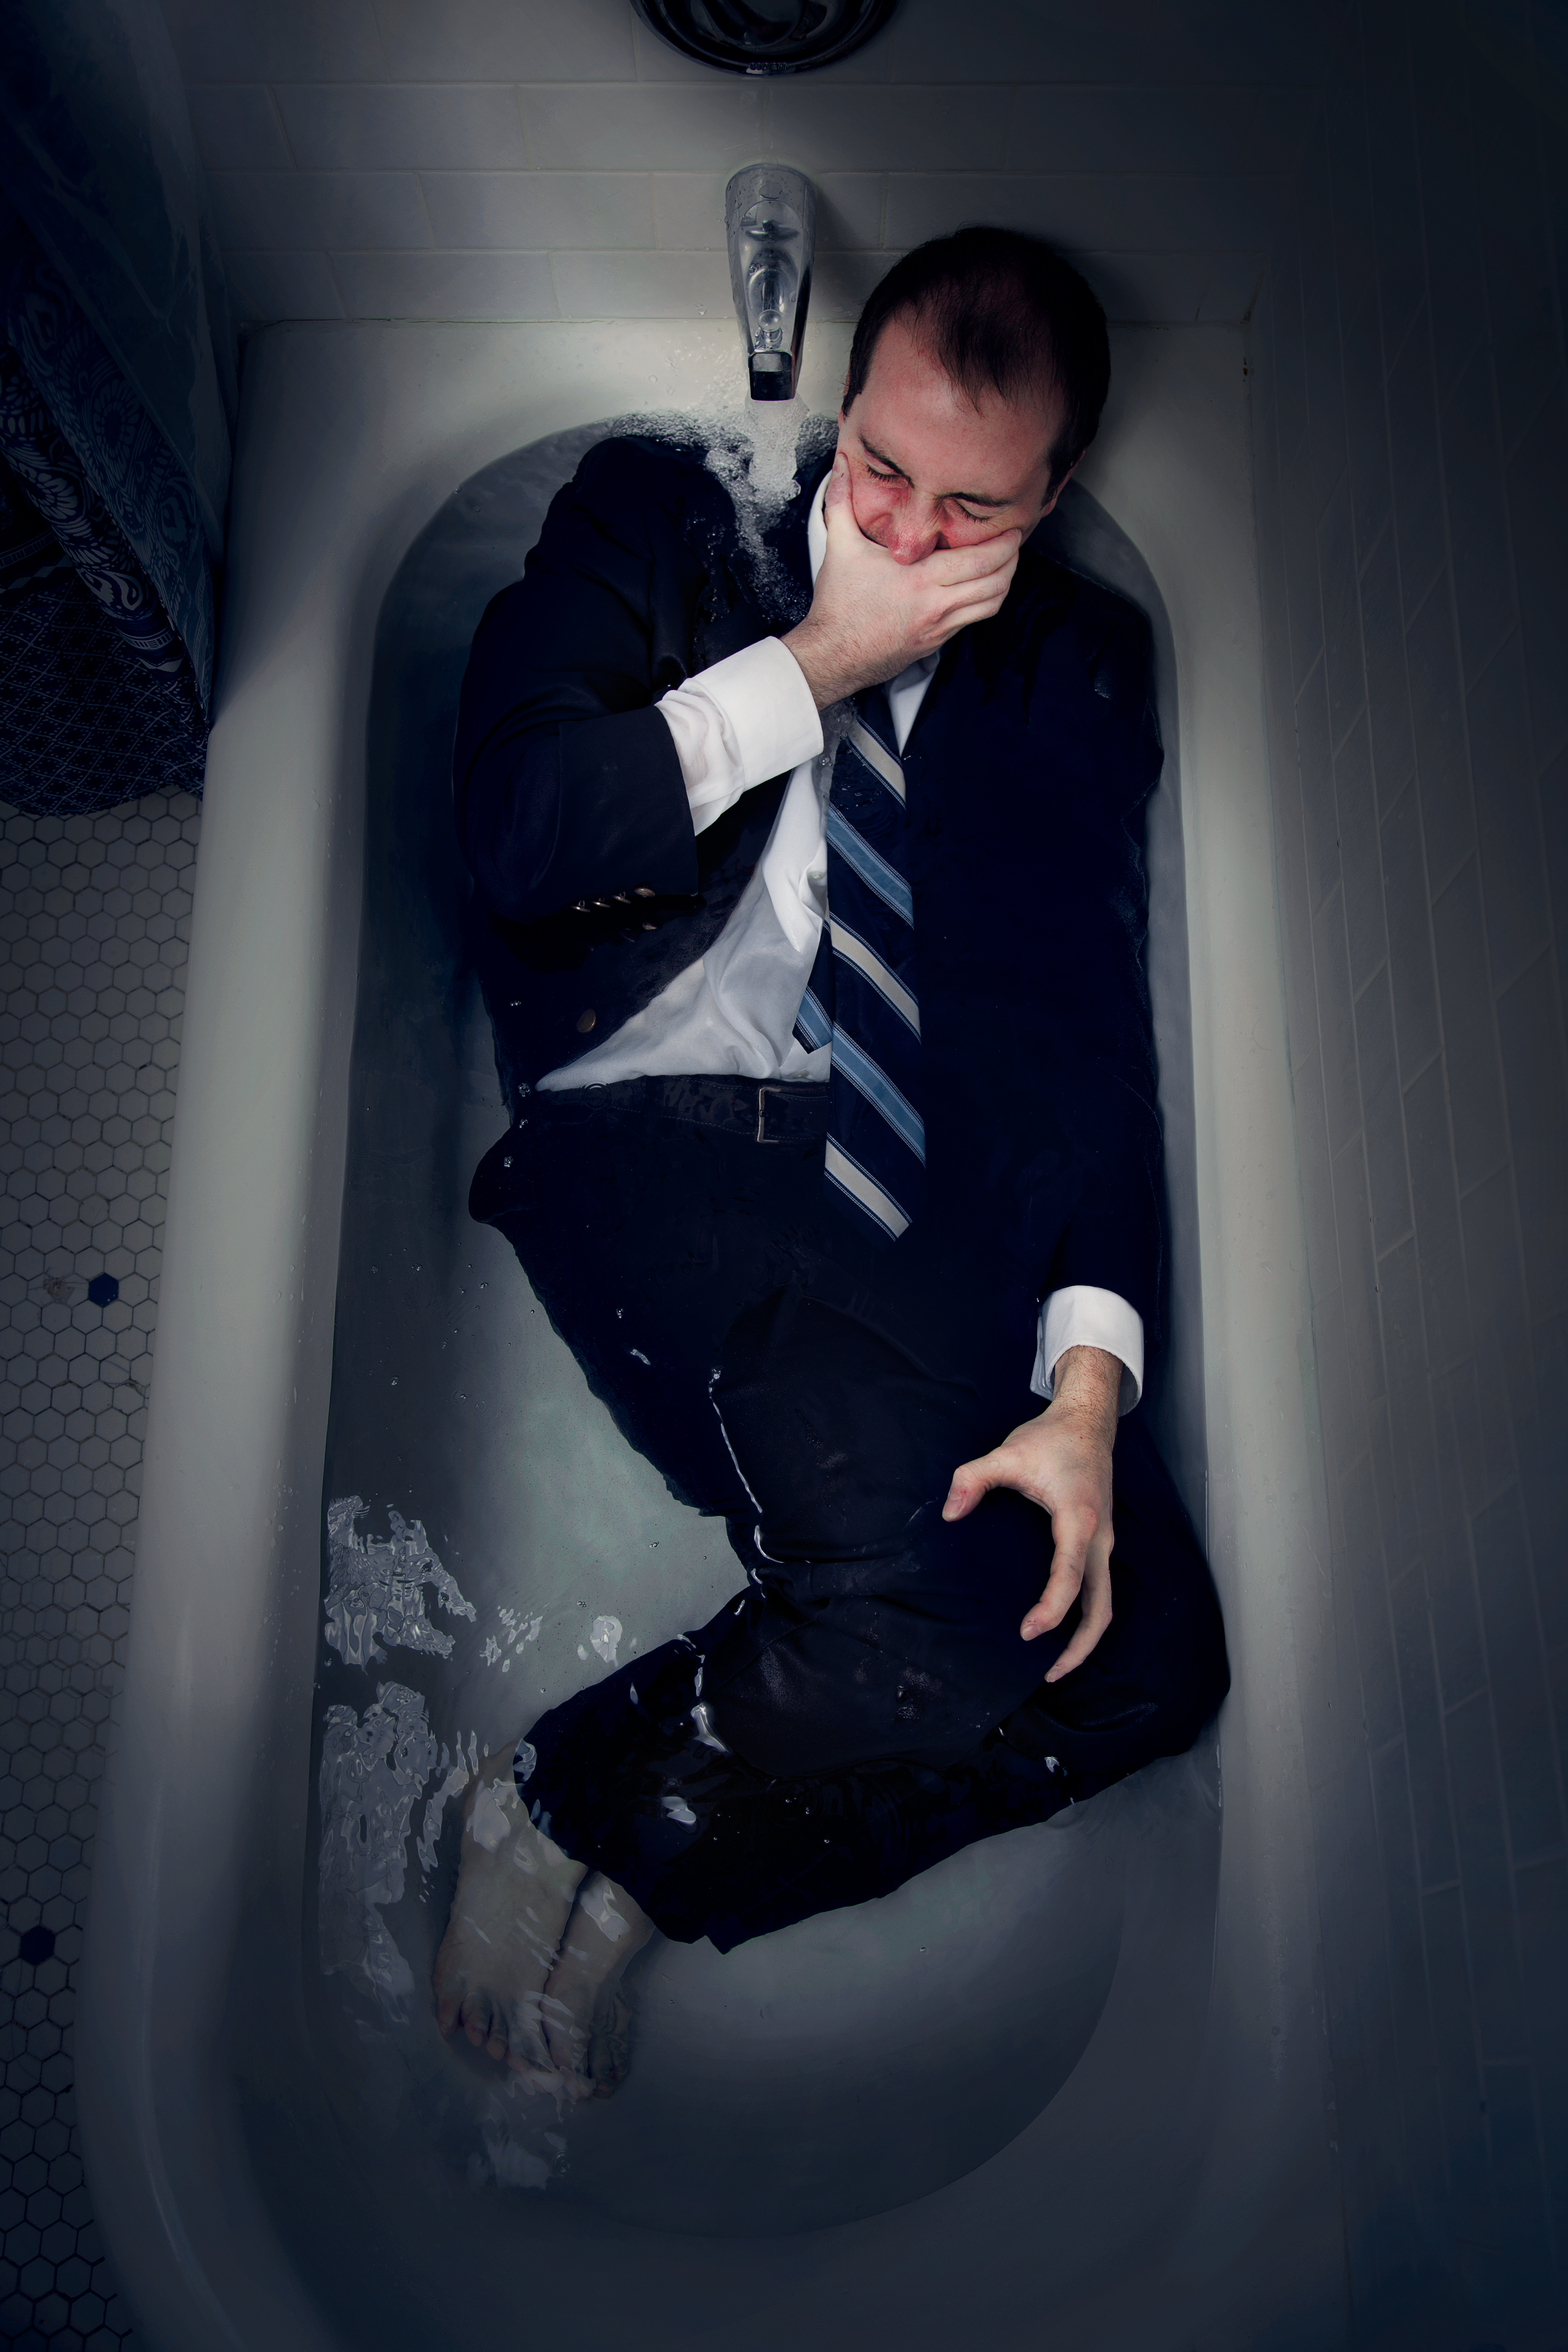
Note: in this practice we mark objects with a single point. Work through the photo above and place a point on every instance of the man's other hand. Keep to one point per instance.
(1062, 1461)
(871, 615)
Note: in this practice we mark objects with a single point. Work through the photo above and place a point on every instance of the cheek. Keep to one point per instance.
(875, 502)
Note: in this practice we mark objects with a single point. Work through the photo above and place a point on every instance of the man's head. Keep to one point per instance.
(976, 378)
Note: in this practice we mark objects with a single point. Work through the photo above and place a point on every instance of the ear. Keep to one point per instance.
(1061, 486)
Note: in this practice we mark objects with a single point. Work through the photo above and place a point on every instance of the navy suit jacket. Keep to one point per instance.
(1026, 771)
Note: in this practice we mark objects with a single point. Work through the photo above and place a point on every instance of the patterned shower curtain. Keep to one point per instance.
(116, 387)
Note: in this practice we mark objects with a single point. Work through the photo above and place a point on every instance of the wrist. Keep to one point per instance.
(1088, 1389)
(825, 676)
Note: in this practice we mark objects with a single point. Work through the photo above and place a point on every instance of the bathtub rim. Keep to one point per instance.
(227, 1545)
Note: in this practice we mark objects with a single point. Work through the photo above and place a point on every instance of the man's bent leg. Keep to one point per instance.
(641, 1241)
(632, 1774)
(876, 1631)
(871, 1629)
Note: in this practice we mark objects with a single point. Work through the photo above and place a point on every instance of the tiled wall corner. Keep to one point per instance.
(1411, 429)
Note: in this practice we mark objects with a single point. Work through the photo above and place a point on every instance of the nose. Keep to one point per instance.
(911, 536)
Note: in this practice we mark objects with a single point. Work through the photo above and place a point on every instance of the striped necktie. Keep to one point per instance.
(861, 997)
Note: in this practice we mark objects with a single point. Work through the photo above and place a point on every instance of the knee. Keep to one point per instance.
(838, 1434)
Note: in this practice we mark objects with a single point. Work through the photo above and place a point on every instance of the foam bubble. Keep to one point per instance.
(375, 1587)
(372, 1771)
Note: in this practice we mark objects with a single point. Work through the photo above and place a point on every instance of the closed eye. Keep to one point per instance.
(969, 516)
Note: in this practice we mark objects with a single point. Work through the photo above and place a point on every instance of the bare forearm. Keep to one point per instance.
(827, 663)
(1088, 1387)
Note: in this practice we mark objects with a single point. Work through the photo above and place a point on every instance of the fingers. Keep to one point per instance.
(1049, 1461)
(835, 497)
(971, 1482)
(951, 566)
(964, 615)
(1097, 1612)
(1005, 1465)
(975, 592)
(1094, 1600)
(1074, 1530)
(976, 601)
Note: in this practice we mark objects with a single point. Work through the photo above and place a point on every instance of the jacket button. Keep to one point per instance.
(586, 1020)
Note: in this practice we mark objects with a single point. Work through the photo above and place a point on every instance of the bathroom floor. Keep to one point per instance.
(94, 917)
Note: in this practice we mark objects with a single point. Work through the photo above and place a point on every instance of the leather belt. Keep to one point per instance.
(763, 1110)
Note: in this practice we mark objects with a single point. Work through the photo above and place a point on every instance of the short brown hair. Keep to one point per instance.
(1000, 310)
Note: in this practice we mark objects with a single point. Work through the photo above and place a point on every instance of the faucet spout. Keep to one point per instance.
(769, 222)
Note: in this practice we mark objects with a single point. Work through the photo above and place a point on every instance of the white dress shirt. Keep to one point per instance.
(732, 1012)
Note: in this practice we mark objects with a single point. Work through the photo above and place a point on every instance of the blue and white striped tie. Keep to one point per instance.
(861, 997)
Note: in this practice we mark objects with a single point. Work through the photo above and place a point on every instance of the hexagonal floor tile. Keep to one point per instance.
(94, 914)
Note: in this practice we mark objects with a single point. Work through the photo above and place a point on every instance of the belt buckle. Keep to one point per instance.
(763, 1090)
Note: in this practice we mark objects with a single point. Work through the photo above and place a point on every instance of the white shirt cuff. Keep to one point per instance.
(737, 723)
(1082, 1317)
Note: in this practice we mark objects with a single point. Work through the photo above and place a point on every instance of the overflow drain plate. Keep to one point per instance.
(765, 37)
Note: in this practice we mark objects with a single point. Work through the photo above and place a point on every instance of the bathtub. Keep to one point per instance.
(1169, 2174)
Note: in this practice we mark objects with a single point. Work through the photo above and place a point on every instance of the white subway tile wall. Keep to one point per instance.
(422, 285)
(364, 156)
(520, 209)
(1411, 413)
(94, 916)
(451, 126)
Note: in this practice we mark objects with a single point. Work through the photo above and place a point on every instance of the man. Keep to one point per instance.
(813, 955)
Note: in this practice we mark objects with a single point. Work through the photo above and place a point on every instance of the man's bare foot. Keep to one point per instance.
(515, 1890)
(587, 2017)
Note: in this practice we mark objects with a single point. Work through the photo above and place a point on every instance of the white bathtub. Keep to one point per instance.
(1166, 2193)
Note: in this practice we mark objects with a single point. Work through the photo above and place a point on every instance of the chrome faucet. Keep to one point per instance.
(770, 221)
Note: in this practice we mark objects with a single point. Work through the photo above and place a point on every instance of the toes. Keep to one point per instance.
(571, 2069)
(511, 2038)
(526, 2049)
(569, 2057)
(523, 2019)
(610, 2050)
(567, 2042)
(448, 1984)
(534, 2074)
(447, 2000)
(609, 2071)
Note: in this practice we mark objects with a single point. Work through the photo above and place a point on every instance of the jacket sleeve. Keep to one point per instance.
(1102, 1030)
(566, 780)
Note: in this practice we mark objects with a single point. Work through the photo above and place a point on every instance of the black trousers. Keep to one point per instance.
(868, 1702)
